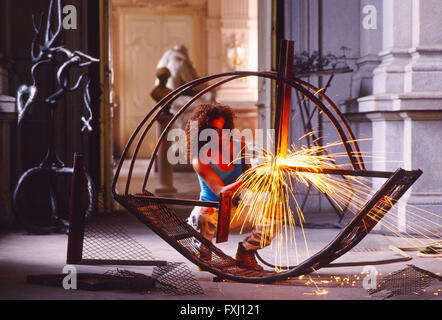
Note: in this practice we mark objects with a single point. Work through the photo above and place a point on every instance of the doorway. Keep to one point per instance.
(141, 36)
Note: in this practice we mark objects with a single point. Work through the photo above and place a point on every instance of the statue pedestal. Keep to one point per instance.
(164, 181)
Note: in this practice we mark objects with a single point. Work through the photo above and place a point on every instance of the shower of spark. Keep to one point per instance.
(268, 187)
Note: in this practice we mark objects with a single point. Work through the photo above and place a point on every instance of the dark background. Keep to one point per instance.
(16, 34)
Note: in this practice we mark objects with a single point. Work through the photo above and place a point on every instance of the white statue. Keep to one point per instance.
(181, 70)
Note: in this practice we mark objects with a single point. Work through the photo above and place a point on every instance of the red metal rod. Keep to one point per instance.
(283, 98)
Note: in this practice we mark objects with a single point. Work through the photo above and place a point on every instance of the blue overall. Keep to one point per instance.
(205, 219)
(227, 177)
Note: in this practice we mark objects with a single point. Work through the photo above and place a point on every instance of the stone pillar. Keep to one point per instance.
(232, 46)
(422, 101)
(424, 72)
(264, 64)
(396, 42)
(370, 45)
(423, 149)
(164, 178)
(406, 105)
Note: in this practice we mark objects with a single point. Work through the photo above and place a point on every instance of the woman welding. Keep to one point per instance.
(219, 170)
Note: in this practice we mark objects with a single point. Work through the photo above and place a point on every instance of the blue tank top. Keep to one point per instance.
(227, 177)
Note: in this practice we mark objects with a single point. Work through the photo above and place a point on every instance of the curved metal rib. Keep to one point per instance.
(234, 75)
(360, 225)
(163, 104)
(172, 121)
(167, 99)
(341, 118)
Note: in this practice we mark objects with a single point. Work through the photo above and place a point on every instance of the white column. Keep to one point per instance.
(389, 76)
(424, 71)
(264, 64)
(423, 119)
(370, 31)
(235, 36)
(406, 107)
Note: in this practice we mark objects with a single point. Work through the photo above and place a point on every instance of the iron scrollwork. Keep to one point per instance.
(70, 66)
(305, 63)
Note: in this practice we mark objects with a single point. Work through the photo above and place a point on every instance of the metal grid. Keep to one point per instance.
(176, 278)
(106, 239)
(185, 239)
(409, 281)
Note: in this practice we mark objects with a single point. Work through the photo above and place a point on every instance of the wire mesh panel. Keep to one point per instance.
(172, 279)
(409, 281)
(176, 278)
(181, 235)
(106, 240)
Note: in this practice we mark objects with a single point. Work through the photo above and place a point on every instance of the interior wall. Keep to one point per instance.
(141, 34)
(218, 28)
(234, 26)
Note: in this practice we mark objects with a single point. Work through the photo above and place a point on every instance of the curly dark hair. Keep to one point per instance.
(203, 115)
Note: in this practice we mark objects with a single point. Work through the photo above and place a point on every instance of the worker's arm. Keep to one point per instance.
(211, 178)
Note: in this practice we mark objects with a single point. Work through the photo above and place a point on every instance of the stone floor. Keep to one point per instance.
(23, 254)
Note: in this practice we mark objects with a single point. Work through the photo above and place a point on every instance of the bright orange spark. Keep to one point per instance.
(268, 187)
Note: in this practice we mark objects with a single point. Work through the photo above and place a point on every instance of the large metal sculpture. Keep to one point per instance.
(45, 51)
(154, 212)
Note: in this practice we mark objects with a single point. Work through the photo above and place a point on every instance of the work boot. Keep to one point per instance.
(246, 258)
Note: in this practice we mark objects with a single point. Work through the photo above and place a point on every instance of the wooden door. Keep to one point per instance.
(143, 36)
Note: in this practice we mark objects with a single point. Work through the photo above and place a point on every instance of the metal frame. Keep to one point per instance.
(333, 114)
(153, 212)
(305, 66)
(181, 236)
